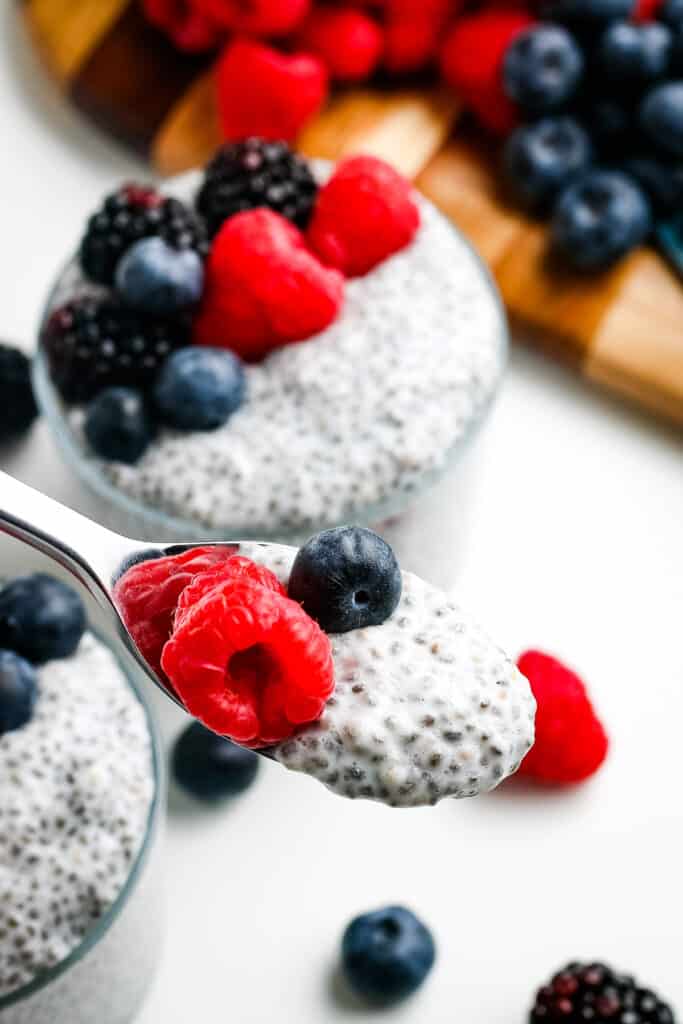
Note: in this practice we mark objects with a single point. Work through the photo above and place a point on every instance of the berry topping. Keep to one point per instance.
(413, 30)
(132, 213)
(661, 117)
(118, 425)
(660, 179)
(18, 407)
(155, 278)
(253, 173)
(542, 68)
(264, 92)
(235, 569)
(256, 17)
(18, 691)
(249, 663)
(40, 618)
(92, 344)
(147, 593)
(540, 159)
(595, 992)
(630, 56)
(364, 214)
(199, 388)
(346, 578)
(210, 767)
(347, 40)
(264, 288)
(387, 954)
(188, 28)
(571, 743)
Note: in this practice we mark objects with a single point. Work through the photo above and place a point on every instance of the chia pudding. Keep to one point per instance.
(343, 427)
(78, 802)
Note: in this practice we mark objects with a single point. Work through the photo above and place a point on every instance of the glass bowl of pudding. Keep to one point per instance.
(81, 811)
(346, 426)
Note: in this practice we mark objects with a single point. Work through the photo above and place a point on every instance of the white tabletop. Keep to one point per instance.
(561, 529)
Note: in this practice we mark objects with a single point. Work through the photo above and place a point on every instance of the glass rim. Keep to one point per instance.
(104, 923)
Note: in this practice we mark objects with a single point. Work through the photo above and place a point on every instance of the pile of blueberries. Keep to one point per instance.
(601, 149)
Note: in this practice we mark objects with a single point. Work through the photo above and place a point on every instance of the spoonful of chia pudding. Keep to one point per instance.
(326, 658)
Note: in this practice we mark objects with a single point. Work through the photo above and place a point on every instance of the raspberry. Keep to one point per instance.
(263, 287)
(571, 743)
(413, 30)
(595, 992)
(188, 28)
(267, 93)
(364, 214)
(236, 569)
(646, 10)
(249, 663)
(147, 594)
(472, 64)
(348, 41)
(256, 17)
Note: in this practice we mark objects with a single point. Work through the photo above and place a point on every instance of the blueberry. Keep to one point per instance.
(18, 407)
(661, 180)
(199, 388)
(346, 578)
(40, 618)
(387, 954)
(18, 691)
(599, 219)
(540, 159)
(630, 56)
(661, 117)
(671, 13)
(118, 425)
(210, 767)
(542, 68)
(153, 277)
(584, 13)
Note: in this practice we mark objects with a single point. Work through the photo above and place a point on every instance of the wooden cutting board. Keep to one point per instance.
(622, 329)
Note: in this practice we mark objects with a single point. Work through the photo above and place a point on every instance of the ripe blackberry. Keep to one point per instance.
(126, 216)
(92, 344)
(255, 173)
(17, 404)
(594, 992)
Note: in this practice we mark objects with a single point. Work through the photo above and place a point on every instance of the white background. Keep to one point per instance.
(562, 529)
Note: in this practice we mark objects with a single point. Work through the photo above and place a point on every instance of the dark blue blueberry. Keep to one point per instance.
(583, 13)
(599, 219)
(542, 158)
(154, 277)
(542, 68)
(118, 425)
(631, 56)
(661, 180)
(210, 767)
(671, 13)
(18, 691)
(346, 578)
(40, 618)
(387, 954)
(199, 388)
(18, 407)
(661, 117)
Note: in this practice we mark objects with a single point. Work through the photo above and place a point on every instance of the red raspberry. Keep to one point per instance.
(263, 288)
(472, 64)
(256, 17)
(364, 214)
(236, 569)
(267, 93)
(250, 664)
(646, 10)
(413, 31)
(188, 28)
(571, 743)
(147, 595)
(348, 41)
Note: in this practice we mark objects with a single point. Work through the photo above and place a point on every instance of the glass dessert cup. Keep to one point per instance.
(106, 977)
(124, 512)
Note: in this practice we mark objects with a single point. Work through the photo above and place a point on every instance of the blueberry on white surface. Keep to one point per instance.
(40, 618)
(346, 578)
(542, 158)
(599, 219)
(118, 426)
(199, 388)
(387, 954)
(542, 68)
(210, 767)
(18, 407)
(154, 277)
(18, 691)
(661, 117)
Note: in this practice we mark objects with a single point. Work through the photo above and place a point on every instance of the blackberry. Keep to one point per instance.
(126, 216)
(17, 404)
(594, 992)
(92, 344)
(253, 173)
